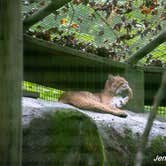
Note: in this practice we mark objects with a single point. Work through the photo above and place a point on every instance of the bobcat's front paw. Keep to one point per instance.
(121, 113)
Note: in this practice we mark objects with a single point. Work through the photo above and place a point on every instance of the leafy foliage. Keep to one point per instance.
(64, 136)
(108, 28)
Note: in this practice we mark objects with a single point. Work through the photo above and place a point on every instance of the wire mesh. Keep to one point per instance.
(44, 92)
(51, 94)
(161, 110)
(95, 27)
(91, 27)
(156, 58)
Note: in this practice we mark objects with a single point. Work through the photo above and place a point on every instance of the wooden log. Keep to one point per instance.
(10, 82)
(58, 54)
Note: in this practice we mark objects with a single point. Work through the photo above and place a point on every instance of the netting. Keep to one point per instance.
(161, 110)
(99, 25)
(99, 28)
(42, 92)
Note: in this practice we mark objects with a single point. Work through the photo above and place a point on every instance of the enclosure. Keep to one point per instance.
(95, 49)
(73, 45)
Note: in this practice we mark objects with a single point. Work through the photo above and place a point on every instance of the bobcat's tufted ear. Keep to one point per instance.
(110, 77)
(109, 81)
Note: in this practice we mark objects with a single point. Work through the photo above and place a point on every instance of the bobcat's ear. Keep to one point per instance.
(110, 77)
(109, 81)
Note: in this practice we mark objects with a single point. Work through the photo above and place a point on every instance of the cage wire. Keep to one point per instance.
(95, 30)
(46, 93)
(156, 58)
(161, 110)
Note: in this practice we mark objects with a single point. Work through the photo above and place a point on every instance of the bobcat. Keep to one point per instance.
(109, 100)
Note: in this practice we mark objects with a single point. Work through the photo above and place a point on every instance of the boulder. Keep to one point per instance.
(59, 134)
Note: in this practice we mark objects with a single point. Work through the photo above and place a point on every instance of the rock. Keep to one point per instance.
(63, 135)
(59, 137)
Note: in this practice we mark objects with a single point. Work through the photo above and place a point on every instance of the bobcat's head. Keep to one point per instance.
(118, 86)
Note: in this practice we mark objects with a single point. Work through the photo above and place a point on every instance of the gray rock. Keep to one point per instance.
(59, 134)
(135, 122)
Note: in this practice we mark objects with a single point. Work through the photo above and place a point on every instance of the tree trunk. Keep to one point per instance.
(10, 82)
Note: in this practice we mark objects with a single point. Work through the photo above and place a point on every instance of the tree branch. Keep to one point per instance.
(148, 48)
(54, 5)
(144, 138)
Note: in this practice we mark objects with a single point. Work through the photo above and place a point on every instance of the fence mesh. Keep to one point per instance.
(93, 28)
(51, 94)
(161, 110)
(41, 92)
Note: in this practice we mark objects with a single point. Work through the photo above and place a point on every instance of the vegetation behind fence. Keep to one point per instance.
(43, 92)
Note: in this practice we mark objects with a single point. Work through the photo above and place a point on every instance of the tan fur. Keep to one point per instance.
(101, 101)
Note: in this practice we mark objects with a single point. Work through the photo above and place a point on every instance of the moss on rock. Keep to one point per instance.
(63, 138)
(121, 150)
